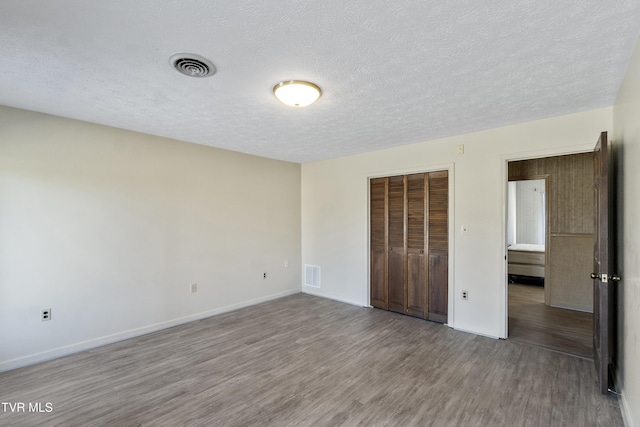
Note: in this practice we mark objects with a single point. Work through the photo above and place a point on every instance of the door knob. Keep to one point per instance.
(615, 277)
(595, 276)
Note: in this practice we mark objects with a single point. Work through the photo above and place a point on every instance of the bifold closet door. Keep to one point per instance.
(438, 243)
(409, 244)
(397, 241)
(378, 241)
(416, 248)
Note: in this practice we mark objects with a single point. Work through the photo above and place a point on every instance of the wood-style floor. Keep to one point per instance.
(307, 361)
(533, 322)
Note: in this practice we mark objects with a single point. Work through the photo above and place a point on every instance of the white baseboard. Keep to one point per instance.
(625, 410)
(571, 308)
(308, 290)
(120, 336)
(484, 334)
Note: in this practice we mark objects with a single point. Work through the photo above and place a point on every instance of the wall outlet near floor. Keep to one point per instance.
(465, 294)
(264, 275)
(194, 288)
(46, 314)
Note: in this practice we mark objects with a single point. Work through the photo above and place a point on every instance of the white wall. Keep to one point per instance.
(530, 212)
(511, 213)
(626, 114)
(109, 228)
(335, 203)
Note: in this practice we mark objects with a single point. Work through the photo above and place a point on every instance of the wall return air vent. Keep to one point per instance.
(312, 275)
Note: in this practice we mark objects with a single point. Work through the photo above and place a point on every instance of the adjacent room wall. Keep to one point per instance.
(335, 204)
(626, 140)
(109, 228)
(570, 190)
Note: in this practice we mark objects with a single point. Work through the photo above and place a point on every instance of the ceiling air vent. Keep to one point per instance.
(192, 65)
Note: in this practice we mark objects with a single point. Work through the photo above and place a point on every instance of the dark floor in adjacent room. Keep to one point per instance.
(533, 322)
(308, 361)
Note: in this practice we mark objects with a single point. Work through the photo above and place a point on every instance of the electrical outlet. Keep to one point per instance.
(194, 288)
(465, 294)
(46, 314)
(264, 275)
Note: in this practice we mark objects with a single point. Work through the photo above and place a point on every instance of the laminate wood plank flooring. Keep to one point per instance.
(308, 361)
(533, 322)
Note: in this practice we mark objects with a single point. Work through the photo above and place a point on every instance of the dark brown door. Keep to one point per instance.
(604, 277)
(438, 245)
(409, 244)
(416, 245)
(397, 239)
(378, 262)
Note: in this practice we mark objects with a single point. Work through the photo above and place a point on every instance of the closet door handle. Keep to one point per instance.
(421, 251)
(594, 276)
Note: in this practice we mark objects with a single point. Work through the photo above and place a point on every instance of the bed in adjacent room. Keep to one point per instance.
(526, 260)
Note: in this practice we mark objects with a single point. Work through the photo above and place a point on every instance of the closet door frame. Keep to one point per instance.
(449, 167)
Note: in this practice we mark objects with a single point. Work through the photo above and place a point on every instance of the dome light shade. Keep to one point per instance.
(296, 93)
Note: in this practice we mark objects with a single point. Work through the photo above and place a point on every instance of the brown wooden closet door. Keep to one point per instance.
(416, 239)
(438, 245)
(396, 230)
(378, 197)
(409, 244)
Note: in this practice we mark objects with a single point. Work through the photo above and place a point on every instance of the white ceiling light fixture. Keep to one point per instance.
(297, 93)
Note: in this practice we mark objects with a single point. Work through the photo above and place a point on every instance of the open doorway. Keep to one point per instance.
(550, 240)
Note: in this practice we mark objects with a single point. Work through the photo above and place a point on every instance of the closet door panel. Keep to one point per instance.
(378, 283)
(396, 282)
(438, 212)
(416, 198)
(396, 211)
(378, 262)
(438, 294)
(416, 238)
(396, 230)
(438, 244)
(416, 285)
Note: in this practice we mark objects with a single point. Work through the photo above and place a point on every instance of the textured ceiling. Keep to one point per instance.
(392, 73)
